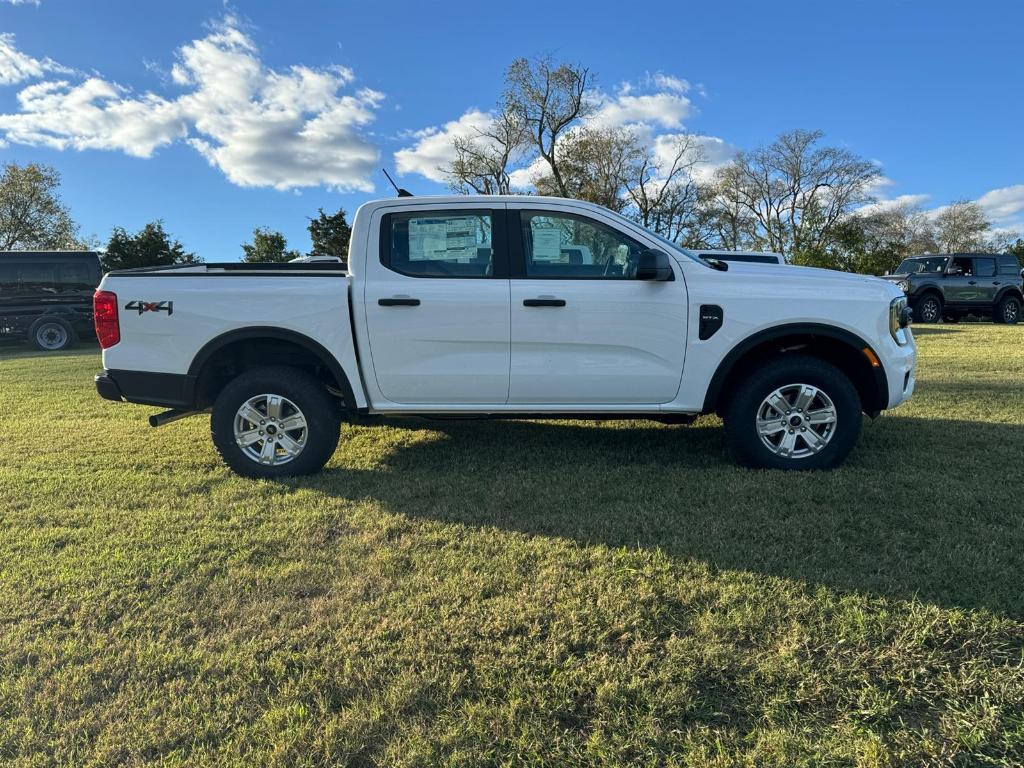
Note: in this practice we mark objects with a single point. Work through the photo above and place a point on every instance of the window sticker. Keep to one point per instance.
(547, 244)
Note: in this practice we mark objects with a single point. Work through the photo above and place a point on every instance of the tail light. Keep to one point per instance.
(104, 315)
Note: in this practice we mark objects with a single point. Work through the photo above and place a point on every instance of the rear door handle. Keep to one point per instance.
(543, 302)
(996, 282)
(972, 282)
(396, 301)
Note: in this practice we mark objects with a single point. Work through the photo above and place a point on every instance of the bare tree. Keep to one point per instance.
(797, 191)
(482, 159)
(596, 165)
(549, 100)
(1006, 241)
(876, 240)
(32, 214)
(962, 226)
(662, 188)
(725, 222)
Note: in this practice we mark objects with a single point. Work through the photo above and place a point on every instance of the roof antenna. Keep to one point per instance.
(401, 192)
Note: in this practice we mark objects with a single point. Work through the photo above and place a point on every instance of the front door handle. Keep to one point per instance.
(972, 282)
(543, 302)
(399, 301)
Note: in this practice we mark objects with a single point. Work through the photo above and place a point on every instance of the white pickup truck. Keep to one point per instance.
(508, 307)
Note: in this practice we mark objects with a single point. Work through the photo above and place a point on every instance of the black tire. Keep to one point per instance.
(744, 407)
(928, 309)
(1007, 311)
(51, 334)
(318, 438)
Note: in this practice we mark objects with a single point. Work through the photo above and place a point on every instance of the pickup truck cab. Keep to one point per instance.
(508, 307)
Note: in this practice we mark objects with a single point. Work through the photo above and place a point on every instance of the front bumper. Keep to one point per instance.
(901, 371)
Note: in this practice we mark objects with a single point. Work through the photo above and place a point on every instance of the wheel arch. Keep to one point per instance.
(1009, 290)
(231, 353)
(838, 346)
(928, 290)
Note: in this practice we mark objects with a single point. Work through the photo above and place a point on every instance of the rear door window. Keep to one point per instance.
(439, 244)
(984, 267)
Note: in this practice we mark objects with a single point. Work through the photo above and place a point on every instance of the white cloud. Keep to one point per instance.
(433, 147)
(259, 126)
(23, 2)
(94, 114)
(670, 82)
(1004, 206)
(17, 66)
(667, 109)
(716, 153)
(524, 178)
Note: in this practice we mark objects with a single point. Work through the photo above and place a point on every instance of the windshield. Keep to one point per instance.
(932, 266)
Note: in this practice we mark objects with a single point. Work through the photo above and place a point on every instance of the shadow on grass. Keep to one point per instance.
(923, 508)
(933, 330)
(14, 349)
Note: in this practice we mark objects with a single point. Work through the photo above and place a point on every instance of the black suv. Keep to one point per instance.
(46, 296)
(949, 286)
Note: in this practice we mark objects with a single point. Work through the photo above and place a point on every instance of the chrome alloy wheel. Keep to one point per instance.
(52, 336)
(796, 421)
(270, 429)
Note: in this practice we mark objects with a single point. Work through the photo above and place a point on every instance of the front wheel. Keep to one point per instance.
(275, 422)
(928, 310)
(1008, 311)
(797, 412)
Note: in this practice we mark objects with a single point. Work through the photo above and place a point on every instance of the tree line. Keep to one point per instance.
(34, 217)
(795, 195)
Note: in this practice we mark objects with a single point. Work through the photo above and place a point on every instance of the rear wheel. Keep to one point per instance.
(1007, 311)
(51, 334)
(797, 412)
(928, 309)
(275, 422)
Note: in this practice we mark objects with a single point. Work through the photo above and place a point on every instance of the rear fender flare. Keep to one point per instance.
(217, 343)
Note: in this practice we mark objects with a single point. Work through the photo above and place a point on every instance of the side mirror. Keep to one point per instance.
(654, 265)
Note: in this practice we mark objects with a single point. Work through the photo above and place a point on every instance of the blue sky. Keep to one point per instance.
(222, 117)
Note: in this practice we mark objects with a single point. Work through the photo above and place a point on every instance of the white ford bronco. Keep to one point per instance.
(505, 307)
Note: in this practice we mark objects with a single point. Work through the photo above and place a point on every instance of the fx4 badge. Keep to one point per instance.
(151, 306)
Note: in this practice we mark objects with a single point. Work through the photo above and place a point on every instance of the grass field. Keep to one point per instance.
(515, 593)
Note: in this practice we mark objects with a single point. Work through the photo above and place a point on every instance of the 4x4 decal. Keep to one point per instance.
(151, 306)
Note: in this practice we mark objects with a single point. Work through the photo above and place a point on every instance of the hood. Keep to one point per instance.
(811, 278)
(791, 271)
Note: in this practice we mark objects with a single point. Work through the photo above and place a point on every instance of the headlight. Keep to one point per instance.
(904, 285)
(899, 318)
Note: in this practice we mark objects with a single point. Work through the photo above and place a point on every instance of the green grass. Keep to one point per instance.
(515, 593)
